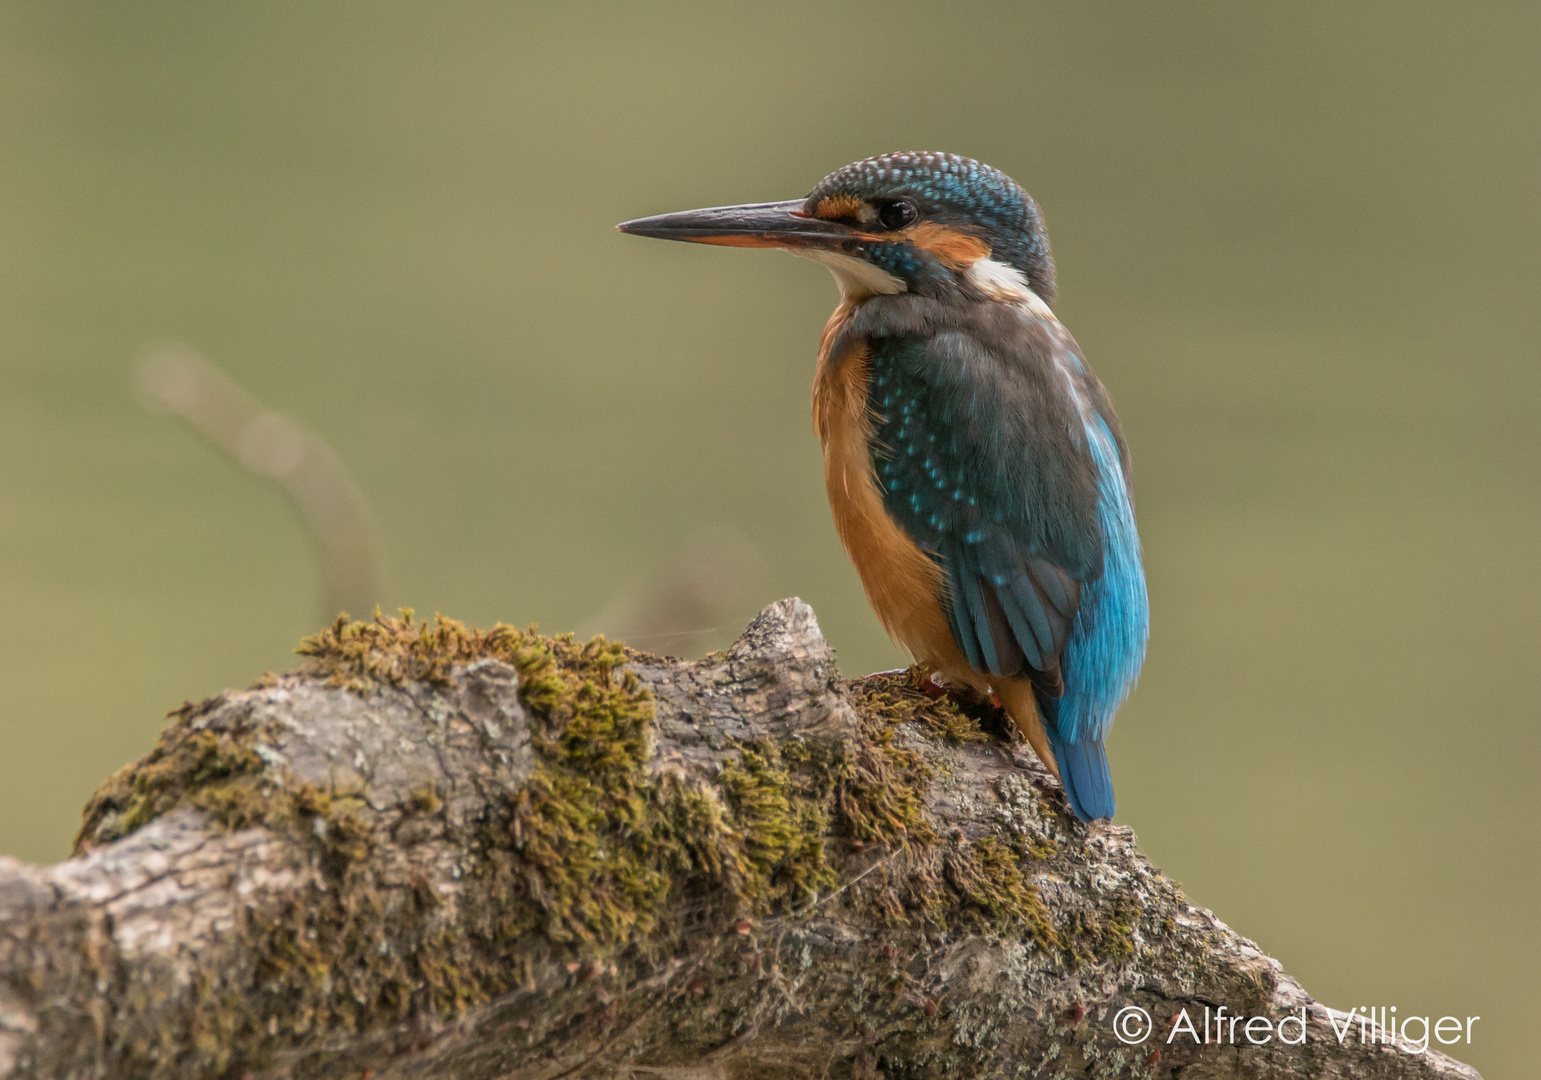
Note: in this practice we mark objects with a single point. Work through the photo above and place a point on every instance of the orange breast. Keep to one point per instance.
(903, 585)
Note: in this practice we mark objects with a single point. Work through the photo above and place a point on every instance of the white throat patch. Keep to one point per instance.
(857, 278)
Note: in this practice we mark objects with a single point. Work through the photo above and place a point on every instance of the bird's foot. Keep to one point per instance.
(962, 694)
(930, 687)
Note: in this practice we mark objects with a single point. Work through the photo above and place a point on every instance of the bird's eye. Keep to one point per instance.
(897, 214)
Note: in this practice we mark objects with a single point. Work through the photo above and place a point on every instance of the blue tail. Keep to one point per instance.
(1083, 769)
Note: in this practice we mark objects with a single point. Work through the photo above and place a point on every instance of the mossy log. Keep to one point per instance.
(439, 852)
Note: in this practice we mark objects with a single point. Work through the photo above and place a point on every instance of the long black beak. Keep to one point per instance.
(778, 224)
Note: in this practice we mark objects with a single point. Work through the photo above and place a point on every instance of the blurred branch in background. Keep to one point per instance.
(689, 606)
(171, 377)
(693, 603)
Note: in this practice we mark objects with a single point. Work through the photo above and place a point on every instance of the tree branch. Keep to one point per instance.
(438, 852)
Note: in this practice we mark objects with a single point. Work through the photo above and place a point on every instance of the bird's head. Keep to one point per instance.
(926, 223)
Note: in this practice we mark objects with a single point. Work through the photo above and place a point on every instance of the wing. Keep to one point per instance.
(983, 459)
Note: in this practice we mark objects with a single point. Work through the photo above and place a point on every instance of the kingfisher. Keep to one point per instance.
(977, 473)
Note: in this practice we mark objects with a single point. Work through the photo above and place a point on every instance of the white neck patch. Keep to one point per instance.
(1002, 281)
(857, 278)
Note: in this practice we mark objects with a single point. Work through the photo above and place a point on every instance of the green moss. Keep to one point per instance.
(1117, 941)
(602, 847)
(1106, 934)
(221, 774)
(782, 820)
(991, 879)
(895, 698)
(391, 651)
(583, 861)
(184, 762)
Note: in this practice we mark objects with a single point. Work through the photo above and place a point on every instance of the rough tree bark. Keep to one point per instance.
(434, 852)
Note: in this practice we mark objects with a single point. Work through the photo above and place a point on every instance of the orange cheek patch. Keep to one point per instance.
(953, 249)
(835, 207)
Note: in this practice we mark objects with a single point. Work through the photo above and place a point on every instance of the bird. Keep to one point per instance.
(977, 473)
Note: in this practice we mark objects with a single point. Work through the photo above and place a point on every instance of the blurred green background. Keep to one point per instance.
(1299, 242)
